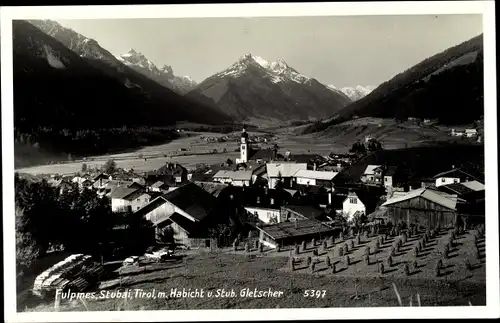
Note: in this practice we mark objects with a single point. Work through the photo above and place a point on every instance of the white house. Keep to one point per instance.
(457, 133)
(372, 174)
(455, 175)
(469, 133)
(286, 170)
(236, 178)
(315, 178)
(266, 215)
(125, 198)
(353, 204)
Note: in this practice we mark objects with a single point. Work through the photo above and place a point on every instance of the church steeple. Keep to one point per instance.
(244, 146)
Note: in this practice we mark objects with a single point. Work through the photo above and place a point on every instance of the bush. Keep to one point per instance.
(325, 245)
(351, 244)
(313, 266)
(308, 260)
(334, 269)
(332, 241)
(341, 236)
(366, 258)
(392, 252)
(313, 242)
(315, 252)
(303, 246)
(445, 254)
(414, 265)
(346, 248)
(367, 250)
(415, 251)
(235, 245)
(440, 263)
(381, 268)
(261, 247)
(296, 248)
(358, 239)
(389, 261)
(327, 261)
(381, 240)
(247, 247)
(341, 252)
(437, 270)
(256, 243)
(347, 260)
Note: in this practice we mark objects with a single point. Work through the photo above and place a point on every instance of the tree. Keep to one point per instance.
(374, 145)
(358, 148)
(109, 167)
(27, 250)
(229, 161)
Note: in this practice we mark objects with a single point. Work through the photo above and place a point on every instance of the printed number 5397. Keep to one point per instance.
(314, 293)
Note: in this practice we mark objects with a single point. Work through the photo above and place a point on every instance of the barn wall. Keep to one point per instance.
(423, 211)
(176, 234)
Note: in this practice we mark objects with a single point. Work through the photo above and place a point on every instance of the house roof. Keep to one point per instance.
(457, 188)
(307, 211)
(306, 158)
(391, 171)
(122, 193)
(158, 184)
(451, 171)
(234, 175)
(295, 229)
(213, 188)
(327, 176)
(286, 169)
(155, 203)
(186, 224)
(431, 195)
(192, 199)
(474, 185)
(264, 154)
(470, 130)
(370, 169)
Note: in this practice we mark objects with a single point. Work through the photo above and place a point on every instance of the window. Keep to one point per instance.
(443, 180)
(455, 180)
(386, 179)
(353, 200)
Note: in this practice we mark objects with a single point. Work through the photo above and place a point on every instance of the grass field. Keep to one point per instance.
(356, 285)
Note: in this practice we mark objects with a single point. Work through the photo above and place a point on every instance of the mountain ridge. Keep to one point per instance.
(255, 87)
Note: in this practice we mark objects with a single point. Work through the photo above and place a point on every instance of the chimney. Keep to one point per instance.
(423, 185)
(296, 226)
(453, 166)
(272, 201)
(330, 198)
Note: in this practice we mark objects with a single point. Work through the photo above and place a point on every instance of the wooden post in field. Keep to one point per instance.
(57, 302)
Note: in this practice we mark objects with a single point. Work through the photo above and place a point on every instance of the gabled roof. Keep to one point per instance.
(234, 175)
(370, 169)
(122, 192)
(264, 154)
(295, 229)
(457, 188)
(304, 173)
(451, 171)
(474, 185)
(158, 184)
(307, 211)
(428, 194)
(286, 169)
(192, 199)
(186, 224)
(213, 188)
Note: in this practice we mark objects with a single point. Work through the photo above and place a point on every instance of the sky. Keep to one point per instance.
(342, 50)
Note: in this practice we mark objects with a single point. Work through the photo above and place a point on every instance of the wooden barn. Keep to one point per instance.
(294, 232)
(425, 207)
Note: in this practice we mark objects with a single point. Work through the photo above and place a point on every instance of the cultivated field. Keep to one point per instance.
(354, 285)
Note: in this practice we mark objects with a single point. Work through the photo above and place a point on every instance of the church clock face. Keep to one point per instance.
(243, 148)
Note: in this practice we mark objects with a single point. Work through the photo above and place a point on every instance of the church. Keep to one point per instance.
(249, 154)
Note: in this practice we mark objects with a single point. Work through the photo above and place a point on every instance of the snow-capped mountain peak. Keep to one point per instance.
(354, 93)
(277, 71)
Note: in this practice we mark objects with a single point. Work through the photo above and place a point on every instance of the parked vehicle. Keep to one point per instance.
(158, 253)
(131, 261)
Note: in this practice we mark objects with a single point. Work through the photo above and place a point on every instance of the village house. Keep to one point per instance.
(125, 199)
(266, 215)
(455, 175)
(373, 175)
(470, 133)
(236, 178)
(158, 186)
(82, 181)
(62, 184)
(284, 171)
(294, 232)
(353, 203)
(425, 207)
(315, 178)
(181, 215)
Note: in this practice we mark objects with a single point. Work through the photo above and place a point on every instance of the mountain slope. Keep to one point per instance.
(447, 86)
(169, 106)
(255, 88)
(165, 75)
(354, 93)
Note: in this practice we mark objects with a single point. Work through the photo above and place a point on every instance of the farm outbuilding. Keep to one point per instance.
(294, 232)
(425, 207)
